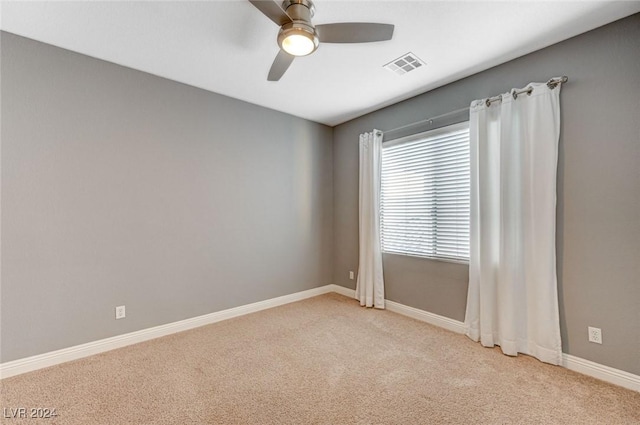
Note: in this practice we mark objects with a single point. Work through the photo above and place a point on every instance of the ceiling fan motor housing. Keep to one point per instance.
(301, 12)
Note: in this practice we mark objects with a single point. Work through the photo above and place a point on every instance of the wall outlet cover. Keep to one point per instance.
(120, 312)
(595, 335)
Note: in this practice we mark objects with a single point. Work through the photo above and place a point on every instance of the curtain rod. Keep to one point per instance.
(428, 120)
(552, 84)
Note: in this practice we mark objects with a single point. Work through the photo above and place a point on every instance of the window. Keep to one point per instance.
(424, 199)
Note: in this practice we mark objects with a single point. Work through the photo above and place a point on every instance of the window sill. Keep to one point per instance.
(443, 260)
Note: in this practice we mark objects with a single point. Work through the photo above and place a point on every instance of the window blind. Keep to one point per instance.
(425, 186)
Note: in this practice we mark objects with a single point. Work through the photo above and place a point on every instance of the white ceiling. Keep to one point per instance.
(228, 46)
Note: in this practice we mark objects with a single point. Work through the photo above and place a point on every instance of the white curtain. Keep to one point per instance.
(513, 299)
(370, 284)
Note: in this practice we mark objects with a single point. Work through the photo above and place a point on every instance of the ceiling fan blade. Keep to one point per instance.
(354, 32)
(272, 11)
(280, 65)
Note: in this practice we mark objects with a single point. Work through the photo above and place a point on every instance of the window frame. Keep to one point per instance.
(445, 129)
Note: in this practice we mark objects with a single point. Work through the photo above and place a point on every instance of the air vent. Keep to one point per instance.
(405, 63)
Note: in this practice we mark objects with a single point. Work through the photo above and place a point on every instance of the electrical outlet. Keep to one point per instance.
(595, 335)
(351, 275)
(120, 312)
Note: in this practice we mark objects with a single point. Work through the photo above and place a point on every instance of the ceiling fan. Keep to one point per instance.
(299, 37)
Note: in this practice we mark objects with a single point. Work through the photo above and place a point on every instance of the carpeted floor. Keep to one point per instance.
(324, 360)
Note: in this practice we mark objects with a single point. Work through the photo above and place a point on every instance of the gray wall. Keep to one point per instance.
(119, 187)
(598, 232)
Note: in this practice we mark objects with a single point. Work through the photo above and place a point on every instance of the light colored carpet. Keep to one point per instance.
(324, 360)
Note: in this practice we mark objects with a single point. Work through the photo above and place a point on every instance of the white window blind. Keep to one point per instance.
(424, 207)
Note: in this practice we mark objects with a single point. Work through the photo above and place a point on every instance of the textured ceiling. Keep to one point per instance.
(228, 46)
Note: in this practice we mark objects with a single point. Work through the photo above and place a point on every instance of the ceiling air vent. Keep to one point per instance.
(403, 64)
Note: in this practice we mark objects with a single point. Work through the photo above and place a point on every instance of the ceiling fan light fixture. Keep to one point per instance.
(297, 40)
(298, 45)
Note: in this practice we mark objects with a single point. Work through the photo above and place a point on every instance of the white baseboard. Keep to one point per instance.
(602, 372)
(577, 364)
(52, 358)
(351, 293)
(424, 316)
(17, 367)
